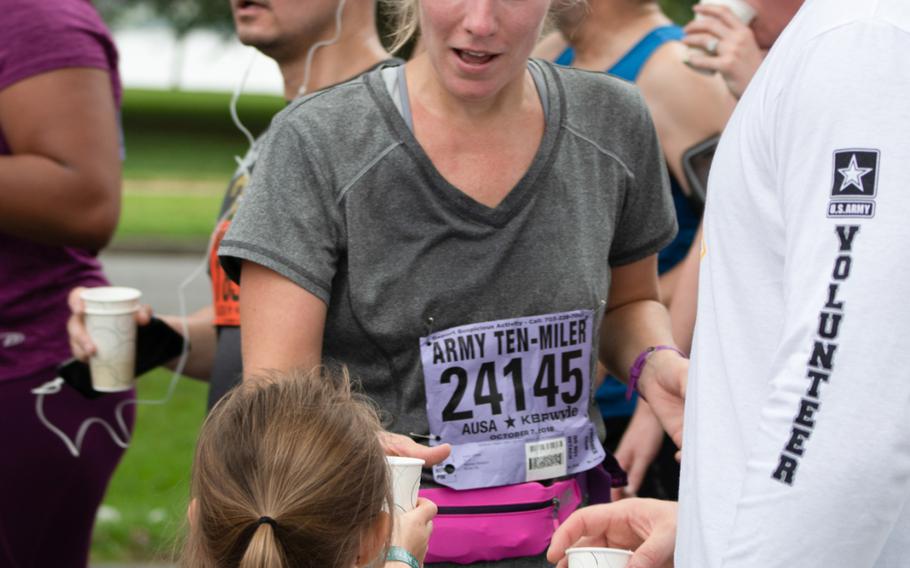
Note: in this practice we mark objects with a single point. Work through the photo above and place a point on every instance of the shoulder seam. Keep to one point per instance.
(312, 96)
(363, 171)
(601, 149)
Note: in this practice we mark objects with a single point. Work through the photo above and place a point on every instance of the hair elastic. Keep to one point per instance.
(265, 520)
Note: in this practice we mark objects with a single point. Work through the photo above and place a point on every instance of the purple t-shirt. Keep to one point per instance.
(38, 37)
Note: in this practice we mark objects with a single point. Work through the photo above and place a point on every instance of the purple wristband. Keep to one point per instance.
(639, 365)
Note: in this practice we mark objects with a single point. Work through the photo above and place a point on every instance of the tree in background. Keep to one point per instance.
(181, 16)
(680, 11)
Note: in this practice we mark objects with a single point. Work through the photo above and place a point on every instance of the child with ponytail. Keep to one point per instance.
(289, 473)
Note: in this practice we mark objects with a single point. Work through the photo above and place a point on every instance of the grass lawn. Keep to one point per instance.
(180, 150)
(145, 506)
(164, 216)
(180, 135)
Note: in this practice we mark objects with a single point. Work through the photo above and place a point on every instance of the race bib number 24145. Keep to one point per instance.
(512, 397)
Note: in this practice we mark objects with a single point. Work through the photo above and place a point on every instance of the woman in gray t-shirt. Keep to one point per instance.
(458, 231)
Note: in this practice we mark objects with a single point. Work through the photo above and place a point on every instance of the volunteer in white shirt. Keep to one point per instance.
(796, 450)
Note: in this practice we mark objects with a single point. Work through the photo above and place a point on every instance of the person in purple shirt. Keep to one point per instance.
(59, 203)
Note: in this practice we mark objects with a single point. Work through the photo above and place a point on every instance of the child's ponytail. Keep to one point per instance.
(264, 550)
(289, 472)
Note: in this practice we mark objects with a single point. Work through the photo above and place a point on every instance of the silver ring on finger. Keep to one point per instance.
(711, 46)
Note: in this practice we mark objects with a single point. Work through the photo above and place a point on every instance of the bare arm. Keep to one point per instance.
(685, 296)
(200, 328)
(61, 185)
(282, 324)
(687, 107)
(642, 439)
(636, 320)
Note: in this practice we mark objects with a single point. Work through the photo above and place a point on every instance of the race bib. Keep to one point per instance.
(512, 397)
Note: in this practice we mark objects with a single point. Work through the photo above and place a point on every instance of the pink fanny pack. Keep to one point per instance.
(500, 522)
(492, 524)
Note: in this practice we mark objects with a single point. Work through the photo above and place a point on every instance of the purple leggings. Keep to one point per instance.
(48, 498)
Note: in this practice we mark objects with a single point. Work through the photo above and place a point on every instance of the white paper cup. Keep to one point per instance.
(592, 557)
(110, 321)
(405, 481)
(740, 8)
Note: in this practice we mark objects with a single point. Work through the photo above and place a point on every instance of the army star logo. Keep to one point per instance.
(853, 175)
(855, 183)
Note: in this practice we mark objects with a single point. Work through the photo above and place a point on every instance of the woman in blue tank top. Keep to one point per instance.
(636, 41)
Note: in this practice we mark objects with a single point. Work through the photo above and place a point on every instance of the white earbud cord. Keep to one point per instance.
(122, 438)
(320, 44)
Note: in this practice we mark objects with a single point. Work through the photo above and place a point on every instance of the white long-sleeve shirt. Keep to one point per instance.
(797, 429)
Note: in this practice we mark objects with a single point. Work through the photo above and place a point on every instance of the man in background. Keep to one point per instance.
(312, 54)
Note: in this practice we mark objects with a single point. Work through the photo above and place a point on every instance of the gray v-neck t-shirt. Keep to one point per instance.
(345, 203)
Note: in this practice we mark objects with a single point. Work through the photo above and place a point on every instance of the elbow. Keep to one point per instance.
(97, 221)
(100, 235)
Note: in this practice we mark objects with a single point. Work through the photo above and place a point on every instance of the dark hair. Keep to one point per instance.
(300, 449)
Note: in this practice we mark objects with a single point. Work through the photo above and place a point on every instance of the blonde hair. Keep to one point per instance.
(405, 20)
(299, 449)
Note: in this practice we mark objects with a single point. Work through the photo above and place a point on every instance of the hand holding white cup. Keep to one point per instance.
(110, 322)
(596, 557)
(405, 478)
(740, 9)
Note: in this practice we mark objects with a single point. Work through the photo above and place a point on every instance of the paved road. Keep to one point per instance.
(158, 276)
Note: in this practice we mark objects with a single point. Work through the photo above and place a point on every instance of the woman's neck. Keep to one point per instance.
(426, 89)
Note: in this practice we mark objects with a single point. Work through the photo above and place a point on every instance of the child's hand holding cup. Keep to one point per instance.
(413, 517)
(405, 476)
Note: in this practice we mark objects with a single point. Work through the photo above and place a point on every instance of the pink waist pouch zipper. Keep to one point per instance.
(500, 522)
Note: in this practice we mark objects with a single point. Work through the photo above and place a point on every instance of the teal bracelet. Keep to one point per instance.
(398, 554)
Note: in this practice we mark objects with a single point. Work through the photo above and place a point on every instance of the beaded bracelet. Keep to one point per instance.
(398, 554)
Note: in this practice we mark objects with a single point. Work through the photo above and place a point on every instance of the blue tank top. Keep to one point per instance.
(611, 396)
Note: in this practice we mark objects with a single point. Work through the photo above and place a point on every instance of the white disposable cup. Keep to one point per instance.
(740, 8)
(111, 323)
(405, 474)
(593, 557)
